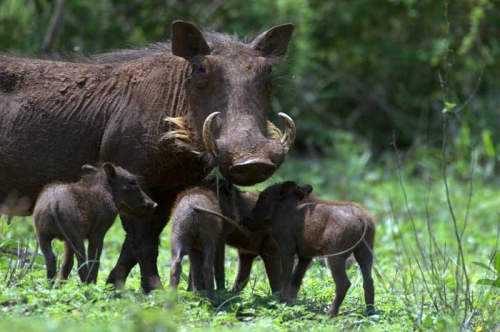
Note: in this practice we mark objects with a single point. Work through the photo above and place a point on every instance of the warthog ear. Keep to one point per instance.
(274, 41)
(89, 168)
(187, 40)
(110, 170)
(287, 188)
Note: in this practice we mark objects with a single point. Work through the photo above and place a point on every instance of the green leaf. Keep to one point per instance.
(9, 244)
(488, 282)
(497, 263)
(39, 259)
(484, 266)
(488, 144)
(448, 107)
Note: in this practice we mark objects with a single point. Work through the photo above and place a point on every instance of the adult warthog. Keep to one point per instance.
(169, 113)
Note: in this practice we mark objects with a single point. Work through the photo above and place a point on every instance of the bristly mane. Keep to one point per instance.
(88, 177)
(130, 54)
(214, 39)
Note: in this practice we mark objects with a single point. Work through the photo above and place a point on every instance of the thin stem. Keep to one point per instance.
(461, 260)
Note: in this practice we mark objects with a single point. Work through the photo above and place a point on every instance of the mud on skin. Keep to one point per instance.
(145, 110)
(86, 209)
(308, 227)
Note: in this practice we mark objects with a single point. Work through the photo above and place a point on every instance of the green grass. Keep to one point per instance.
(419, 281)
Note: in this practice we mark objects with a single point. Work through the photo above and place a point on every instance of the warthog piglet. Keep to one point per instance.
(86, 209)
(308, 227)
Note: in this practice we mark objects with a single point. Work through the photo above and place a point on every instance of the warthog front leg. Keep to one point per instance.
(141, 245)
(220, 276)
(298, 275)
(94, 255)
(126, 261)
(245, 261)
(271, 256)
(287, 260)
(83, 268)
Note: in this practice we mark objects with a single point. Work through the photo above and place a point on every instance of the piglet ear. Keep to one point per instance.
(304, 191)
(187, 40)
(308, 189)
(110, 170)
(88, 168)
(274, 42)
(287, 188)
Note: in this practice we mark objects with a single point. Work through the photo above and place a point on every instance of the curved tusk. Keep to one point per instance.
(290, 131)
(207, 133)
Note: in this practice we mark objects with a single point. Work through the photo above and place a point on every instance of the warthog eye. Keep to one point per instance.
(199, 76)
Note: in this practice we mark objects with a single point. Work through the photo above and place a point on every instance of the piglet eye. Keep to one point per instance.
(198, 68)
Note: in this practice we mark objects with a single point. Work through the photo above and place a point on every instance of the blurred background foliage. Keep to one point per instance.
(359, 71)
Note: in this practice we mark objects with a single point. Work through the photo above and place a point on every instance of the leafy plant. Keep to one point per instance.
(16, 260)
(495, 270)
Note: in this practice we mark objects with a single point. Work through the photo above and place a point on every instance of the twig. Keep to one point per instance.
(55, 25)
(461, 260)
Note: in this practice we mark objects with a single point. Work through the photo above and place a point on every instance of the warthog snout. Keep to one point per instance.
(245, 156)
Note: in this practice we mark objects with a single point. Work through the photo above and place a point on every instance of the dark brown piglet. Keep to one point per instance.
(209, 214)
(197, 235)
(308, 227)
(238, 205)
(86, 209)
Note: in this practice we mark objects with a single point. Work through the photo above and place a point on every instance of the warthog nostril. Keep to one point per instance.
(251, 171)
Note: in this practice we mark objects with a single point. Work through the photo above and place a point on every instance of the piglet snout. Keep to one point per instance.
(150, 205)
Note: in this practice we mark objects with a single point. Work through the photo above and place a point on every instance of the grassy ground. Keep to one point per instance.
(420, 280)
